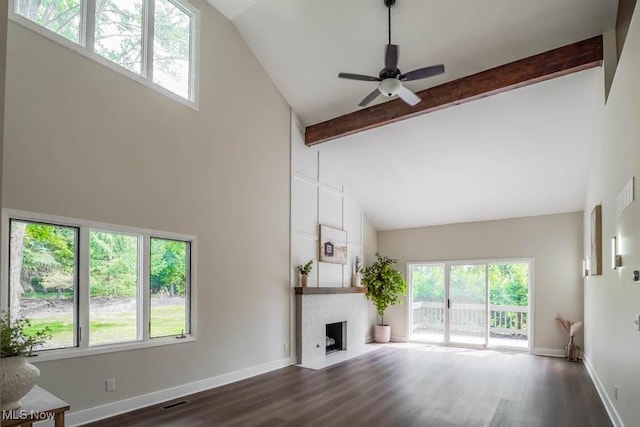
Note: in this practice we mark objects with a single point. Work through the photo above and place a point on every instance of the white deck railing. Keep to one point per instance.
(505, 320)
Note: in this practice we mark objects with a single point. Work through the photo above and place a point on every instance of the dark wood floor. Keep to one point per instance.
(398, 386)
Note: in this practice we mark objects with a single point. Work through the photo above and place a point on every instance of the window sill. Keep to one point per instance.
(70, 353)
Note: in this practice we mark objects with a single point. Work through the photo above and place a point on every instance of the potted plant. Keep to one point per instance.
(304, 271)
(17, 376)
(384, 285)
(356, 279)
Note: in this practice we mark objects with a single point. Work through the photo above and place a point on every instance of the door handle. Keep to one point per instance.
(449, 304)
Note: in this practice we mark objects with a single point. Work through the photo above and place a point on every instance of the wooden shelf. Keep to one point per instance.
(328, 291)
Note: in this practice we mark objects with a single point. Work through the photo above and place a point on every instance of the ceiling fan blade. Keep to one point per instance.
(358, 77)
(391, 57)
(367, 100)
(422, 73)
(408, 96)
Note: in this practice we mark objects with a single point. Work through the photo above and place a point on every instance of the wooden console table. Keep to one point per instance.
(37, 405)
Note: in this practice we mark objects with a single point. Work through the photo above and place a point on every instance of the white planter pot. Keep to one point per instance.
(17, 378)
(383, 333)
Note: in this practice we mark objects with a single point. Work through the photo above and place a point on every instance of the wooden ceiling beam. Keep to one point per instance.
(545, 66)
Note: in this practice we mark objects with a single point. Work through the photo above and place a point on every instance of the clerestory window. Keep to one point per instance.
(151, 41)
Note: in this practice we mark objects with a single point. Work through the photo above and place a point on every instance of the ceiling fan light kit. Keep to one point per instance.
(389, 87)
(390, 77)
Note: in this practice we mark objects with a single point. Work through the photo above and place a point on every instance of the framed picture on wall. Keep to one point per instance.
(596, 241)
(333, 245)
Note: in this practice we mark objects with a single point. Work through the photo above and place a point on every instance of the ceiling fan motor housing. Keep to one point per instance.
(389, 3)
(388, 73)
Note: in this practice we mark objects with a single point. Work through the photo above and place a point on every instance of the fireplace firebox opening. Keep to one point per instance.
(336, 337)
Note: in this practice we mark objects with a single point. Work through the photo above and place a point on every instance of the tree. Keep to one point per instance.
(60, 16)
(428, 283)
(168, 266)
(42, 256)
(18, 230)
(509, 284)
(113, 264)
(119, 29)
(468, 283)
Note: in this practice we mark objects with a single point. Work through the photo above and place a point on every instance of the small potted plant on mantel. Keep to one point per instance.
(304, 271)
(384, 285)
(17, 376)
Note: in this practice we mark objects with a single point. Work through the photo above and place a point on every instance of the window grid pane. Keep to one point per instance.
(113, 288)
(60, 16)
(42, 279)
(169, 287)
(118, 32)
(172, 48)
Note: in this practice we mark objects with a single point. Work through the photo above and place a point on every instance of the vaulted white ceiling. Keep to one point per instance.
(516, 154)
(520, 153)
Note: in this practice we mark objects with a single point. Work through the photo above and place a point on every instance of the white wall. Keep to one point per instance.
(3, 68)
(612, 301)
(82, 141)
(370, 249)
(317, 198)
(553, 241)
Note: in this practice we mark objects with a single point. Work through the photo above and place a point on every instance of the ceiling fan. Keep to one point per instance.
(390, 77)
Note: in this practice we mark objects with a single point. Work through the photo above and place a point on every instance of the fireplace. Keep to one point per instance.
(315, 312)
(336, 337)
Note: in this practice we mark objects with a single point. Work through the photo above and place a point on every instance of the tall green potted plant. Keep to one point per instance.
(385, 286)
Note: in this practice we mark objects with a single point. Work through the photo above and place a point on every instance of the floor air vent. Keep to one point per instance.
(175, 405)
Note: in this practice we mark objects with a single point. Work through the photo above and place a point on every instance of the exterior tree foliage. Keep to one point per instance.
(43, 260)
(118, 32)
(168, 267)
(60, 16)
(113, 265)
(509, 283)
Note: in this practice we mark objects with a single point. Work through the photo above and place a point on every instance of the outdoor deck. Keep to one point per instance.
(508, 325)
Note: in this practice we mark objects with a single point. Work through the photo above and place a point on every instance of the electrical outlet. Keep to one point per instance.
(615, 391)
(111, 384)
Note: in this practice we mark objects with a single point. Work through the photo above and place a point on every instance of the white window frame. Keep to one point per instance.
(82, 296)
(85, 46)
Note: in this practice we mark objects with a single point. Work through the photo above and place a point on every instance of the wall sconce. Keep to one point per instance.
(585, 268)
(616, 260)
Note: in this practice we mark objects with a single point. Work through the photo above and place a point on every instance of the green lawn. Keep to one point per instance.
(47, 295)
(110, 327)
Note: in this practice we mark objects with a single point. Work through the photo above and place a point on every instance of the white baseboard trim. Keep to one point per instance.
(552, 352)
(395, 338)
(604, 396)
(137, 402)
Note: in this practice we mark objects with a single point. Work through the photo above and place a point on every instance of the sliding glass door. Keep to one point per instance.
(476, 304)
(468, 304)
(428, 302)
(509, 284)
